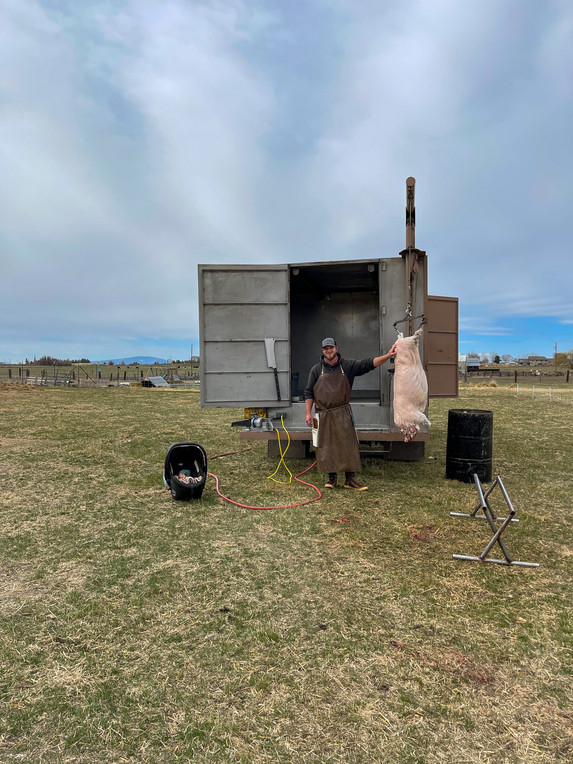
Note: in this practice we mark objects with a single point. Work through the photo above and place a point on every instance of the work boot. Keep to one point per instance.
(331, 482)
(351, 483)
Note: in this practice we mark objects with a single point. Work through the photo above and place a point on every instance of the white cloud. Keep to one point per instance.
(205, 115)
(142, 137)
(53, 187)
(132, 141)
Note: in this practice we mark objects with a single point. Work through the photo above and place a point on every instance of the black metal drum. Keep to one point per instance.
(469, 446)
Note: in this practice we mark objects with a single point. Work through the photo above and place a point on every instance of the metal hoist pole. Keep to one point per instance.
(410, 214)
(411, 259)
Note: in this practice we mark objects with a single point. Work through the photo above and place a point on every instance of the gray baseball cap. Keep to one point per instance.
(328, 341)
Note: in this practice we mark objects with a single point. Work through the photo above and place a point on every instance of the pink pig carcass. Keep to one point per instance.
(410, 387)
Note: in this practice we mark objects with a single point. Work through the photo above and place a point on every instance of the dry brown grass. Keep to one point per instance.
(135, 628)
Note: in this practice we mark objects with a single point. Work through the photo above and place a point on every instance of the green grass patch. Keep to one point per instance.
(136, 628)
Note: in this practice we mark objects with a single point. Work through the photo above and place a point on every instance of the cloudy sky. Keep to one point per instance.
(139, 138)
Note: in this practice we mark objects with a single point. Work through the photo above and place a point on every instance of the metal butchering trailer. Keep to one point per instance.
(261, 328)
(489, 515)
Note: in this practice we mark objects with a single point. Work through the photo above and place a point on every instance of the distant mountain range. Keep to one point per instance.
(145, 359)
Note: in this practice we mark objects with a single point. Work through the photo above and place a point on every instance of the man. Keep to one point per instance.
(328, 388)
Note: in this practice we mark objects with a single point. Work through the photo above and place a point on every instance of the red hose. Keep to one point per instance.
(284, 506)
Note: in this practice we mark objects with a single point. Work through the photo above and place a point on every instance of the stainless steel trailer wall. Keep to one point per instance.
(355, 302)
(296, 305)
(246, 309)
(239, 306)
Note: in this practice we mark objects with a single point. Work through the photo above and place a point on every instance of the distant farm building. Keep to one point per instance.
(540, 360)
(535, 360)
(472, 364)
(154, 382)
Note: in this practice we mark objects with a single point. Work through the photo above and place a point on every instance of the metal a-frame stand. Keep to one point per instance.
(489, 515)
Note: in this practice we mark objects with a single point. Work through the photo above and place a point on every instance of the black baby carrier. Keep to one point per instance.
(185, 470)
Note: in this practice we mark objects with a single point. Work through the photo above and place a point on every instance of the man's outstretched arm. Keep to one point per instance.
(379, 360)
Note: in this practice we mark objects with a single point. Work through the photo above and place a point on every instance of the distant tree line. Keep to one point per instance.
(492, 357)
(565, 359)
(48, 360)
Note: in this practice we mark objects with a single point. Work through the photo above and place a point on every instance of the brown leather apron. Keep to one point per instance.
(337, 449)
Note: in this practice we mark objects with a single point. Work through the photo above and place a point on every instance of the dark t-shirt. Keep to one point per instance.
(350, 367)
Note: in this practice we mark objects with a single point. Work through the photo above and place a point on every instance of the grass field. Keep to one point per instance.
(139, 629)
(90, 374)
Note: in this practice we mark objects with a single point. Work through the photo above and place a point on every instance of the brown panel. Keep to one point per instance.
(441, 350)
(442, 347)
(442, 314)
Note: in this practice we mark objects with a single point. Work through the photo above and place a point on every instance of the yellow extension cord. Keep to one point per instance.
(282, 459)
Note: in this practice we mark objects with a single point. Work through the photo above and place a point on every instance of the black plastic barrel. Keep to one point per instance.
(469, 447)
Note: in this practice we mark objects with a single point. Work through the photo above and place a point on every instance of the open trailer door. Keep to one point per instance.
(242, 309)
(441, 351)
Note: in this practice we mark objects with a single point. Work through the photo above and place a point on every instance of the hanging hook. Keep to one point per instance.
(410, 317)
